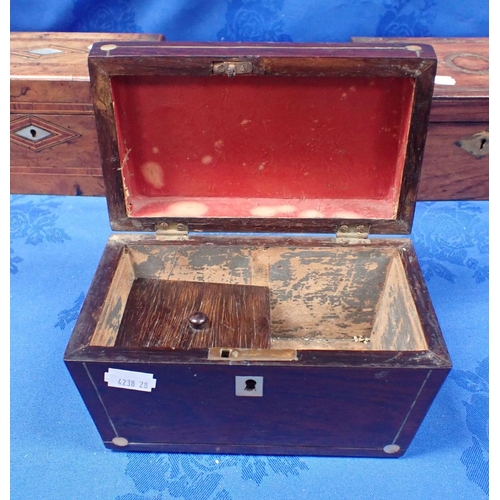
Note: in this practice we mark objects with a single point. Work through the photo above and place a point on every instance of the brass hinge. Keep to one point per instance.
(353, 231)
(172, 231)
(232, 68)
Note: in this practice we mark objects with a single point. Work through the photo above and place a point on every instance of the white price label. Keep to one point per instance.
(133, 381)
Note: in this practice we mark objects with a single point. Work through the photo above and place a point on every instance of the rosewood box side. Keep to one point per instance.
(385, 387)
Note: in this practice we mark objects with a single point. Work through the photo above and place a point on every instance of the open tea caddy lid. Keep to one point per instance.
(202, 141)
(273, 138)
(252, 139)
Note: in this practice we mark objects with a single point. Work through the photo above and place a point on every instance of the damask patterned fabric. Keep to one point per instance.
(257, 20)
(56, 453)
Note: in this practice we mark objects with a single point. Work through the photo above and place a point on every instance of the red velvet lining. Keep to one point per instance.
(262, 146)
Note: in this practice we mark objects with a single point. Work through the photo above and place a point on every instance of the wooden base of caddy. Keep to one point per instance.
(358, 387)
(213, 328)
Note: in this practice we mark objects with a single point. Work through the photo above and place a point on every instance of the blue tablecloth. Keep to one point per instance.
(257, 20)
(56, 452)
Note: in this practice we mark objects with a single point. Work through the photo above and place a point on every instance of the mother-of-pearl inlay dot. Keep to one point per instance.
(45, 51)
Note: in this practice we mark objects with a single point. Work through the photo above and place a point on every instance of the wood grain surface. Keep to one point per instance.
(466, 60)
(448, 173)
(358, 314)
(298, 297)
(49, 79)
(65, 57)
(158, 314)
(459, 111)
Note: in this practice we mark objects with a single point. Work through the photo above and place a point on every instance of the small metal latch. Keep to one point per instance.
(477, 145)
(233, 354)
(172, 231)
(353, 231)
(232, 68)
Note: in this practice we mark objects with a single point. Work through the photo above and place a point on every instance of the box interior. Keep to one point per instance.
(325, 298)
(262, 146)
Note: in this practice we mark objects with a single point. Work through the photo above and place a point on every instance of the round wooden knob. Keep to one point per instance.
(198, 320)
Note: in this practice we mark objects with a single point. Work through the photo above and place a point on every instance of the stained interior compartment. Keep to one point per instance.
(332, 298)
(262, 146)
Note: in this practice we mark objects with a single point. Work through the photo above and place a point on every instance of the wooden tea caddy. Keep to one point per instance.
(252, 311)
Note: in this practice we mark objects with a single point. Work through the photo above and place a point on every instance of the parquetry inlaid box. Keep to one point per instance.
(256, 308)
(53, 142)
(456, 164)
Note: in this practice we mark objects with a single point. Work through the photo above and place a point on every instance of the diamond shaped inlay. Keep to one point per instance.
(48, 51)
(45, 51)
(37, 134)
(33, 133)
